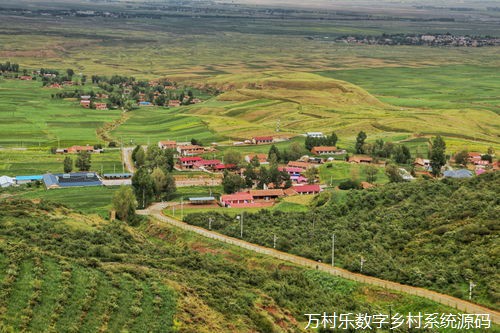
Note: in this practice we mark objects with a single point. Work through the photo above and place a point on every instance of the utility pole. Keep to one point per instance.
(362, 261)
(209, 223)
(182, 209)
(274, 241)
(333, 250)
(240, 218)
(471, 286)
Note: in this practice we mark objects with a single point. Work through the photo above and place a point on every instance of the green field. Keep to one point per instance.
(35, 161)
(335, 173)
(29, 117)
(88, 200)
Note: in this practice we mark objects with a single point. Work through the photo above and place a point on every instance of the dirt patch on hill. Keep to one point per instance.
(29, 54)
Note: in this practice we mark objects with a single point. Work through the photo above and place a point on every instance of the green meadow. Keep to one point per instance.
(30, 117)
(36, 161)
(336, 172)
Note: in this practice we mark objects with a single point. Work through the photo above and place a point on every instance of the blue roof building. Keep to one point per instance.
(75, 179)
(28, 179)
(461, 173)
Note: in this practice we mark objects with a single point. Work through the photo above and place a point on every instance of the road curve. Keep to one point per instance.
(459, 304)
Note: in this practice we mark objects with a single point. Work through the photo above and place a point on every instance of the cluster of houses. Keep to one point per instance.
(87, 103)
(256, 140)
(266, 197)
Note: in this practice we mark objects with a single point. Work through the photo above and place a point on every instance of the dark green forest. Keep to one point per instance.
(434, 234)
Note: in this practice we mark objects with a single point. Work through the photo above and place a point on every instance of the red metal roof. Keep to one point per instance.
(307, 188)
(263, 138)
(190, 159)
(236, 197)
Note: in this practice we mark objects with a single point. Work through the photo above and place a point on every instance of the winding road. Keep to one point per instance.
(459, 304)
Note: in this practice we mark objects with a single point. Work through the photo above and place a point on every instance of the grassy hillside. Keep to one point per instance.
(434, 234)
(61, 271)
(253, 104)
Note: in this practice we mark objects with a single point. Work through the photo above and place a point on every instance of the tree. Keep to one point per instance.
(160, 181)
(68, 164)
(170, 187)
(232, 183)
(232, 156)
(295, 152)
(134, 152)
(371, 173)
(311, 174)
(437, 155)
(124, 203)
(255, 161)
(332, 139)
(143, 185)
(250, 175)
(83, 161)
(401, 154)
(70, 73)
(274, 151)
(196, 142)
(140, 157)
(462, 157)
(392, 172)
(360, 141)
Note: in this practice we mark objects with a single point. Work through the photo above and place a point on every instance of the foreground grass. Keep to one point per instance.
(160, 279)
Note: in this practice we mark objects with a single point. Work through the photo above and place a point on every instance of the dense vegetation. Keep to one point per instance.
(61, 271)
(435, 234)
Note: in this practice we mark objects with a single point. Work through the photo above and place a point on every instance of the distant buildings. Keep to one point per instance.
(190, 150)
(261, 157)
(315, 135)
(167, 144)
(327, 150)
(461, 173)
(75, 179)
(262, 140)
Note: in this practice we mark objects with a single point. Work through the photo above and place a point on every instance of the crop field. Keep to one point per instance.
(88, 200)
(36, 161)
(29, 117)
(152, 124)
(336, 172)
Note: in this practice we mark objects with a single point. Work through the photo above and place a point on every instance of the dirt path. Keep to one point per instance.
(461, 305)
(127, 159)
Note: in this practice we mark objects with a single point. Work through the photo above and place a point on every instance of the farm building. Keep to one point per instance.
(85, 103)
(174, 103)
(241, 199)
(461, 173)
(422, 162)
(307, 189)
(262, 158)
(207, 164)
(190, 150)
(266, 194)
(170, 144)
(324, 150)
(202, 200)
(6, 181)
(261, 140)
(360, 159)
(222, 167)
(101, 106)
(117, 175)
(28, 179)
(315, 134)
(299, 164)
(188, 162)
(77, 149)
(75, 179)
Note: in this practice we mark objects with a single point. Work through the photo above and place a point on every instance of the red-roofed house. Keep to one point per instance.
(324, 150)
(167, 144)
(77, 149)
(360, 159)
(85, 103)
(266, 194)
(237, 199)
(262, 158)
(188, 162)
(210, 164)
(261, 140)
(173, 103)
(307, 189)
(222, 167)
(481, 162)
(25, 77)
(473, 156)
(299, 164)
(190, 150)
(101, 106)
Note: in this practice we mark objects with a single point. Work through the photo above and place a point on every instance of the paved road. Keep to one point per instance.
(461, 305)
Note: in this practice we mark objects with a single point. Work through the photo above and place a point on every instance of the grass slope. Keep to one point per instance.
(157, 279)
